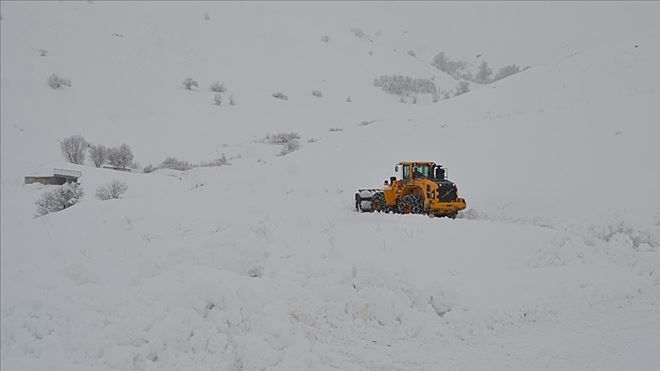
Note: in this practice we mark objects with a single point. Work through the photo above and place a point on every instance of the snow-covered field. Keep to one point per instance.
(264, 264)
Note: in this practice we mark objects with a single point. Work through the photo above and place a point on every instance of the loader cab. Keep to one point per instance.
(408, 171)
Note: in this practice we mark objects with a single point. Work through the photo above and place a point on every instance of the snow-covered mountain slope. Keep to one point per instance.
(264, 264)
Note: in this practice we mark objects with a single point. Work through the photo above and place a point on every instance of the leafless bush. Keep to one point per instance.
(56, 82)
(99, 154)
(280, 95)
(220, 161)
(207, 17)
(73, 148)
(218, 87)
(281, 138)
(120, 157)
(43, 52)
(231, 100)
(174, 164)
(506, 71)
(462, 88)
(289, 147)
(483, 73)
(60, 198)
(217, 99)
(317, 93)
(405, 85)
(456, 69)
(335, 129)
(349, 100)
(112, 190)
(189, 83)
(412, 53)
(312, 140)
(325, 38)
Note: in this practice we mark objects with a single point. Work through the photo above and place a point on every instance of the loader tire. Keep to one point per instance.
(411, 205)
(378, 202)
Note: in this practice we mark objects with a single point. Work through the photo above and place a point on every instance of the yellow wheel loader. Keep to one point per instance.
(418, 188)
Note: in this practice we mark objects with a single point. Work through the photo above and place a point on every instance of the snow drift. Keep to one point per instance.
(263, 264)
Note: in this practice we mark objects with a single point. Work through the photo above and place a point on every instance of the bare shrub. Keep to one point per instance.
(349, 100)
(335, 129)
(405, 85)
(412, 53)
(207, 17)
(281, 138)
(60, 198)
(175, 164)
(112, 190)
(218, 87)
(456, 69)
(220, 161)
(462, 88)
(189, 83)
(325, 38)
(217, 99)
(289, 147)
(280, 95)
(444, 64)
(312, 140)
(231, 100)
(506, 71)
(99, 154)
(73, 148)
(317, 93)
(56, 82)
(43, 52)
(120, 157)
(483, 73)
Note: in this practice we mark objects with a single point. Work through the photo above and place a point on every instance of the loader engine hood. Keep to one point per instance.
(447, 191)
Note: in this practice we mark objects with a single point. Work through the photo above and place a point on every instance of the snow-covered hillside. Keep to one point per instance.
(264, 264)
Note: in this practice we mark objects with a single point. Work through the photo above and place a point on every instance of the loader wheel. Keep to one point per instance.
(452, 215)
(378, 202)
(411, 205)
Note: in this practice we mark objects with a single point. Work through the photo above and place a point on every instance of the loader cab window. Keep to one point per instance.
(421, 171)
(406, 172)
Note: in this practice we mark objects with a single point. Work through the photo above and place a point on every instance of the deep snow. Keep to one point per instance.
(263, 264)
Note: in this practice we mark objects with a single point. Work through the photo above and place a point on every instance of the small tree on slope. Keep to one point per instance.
(73, 148)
